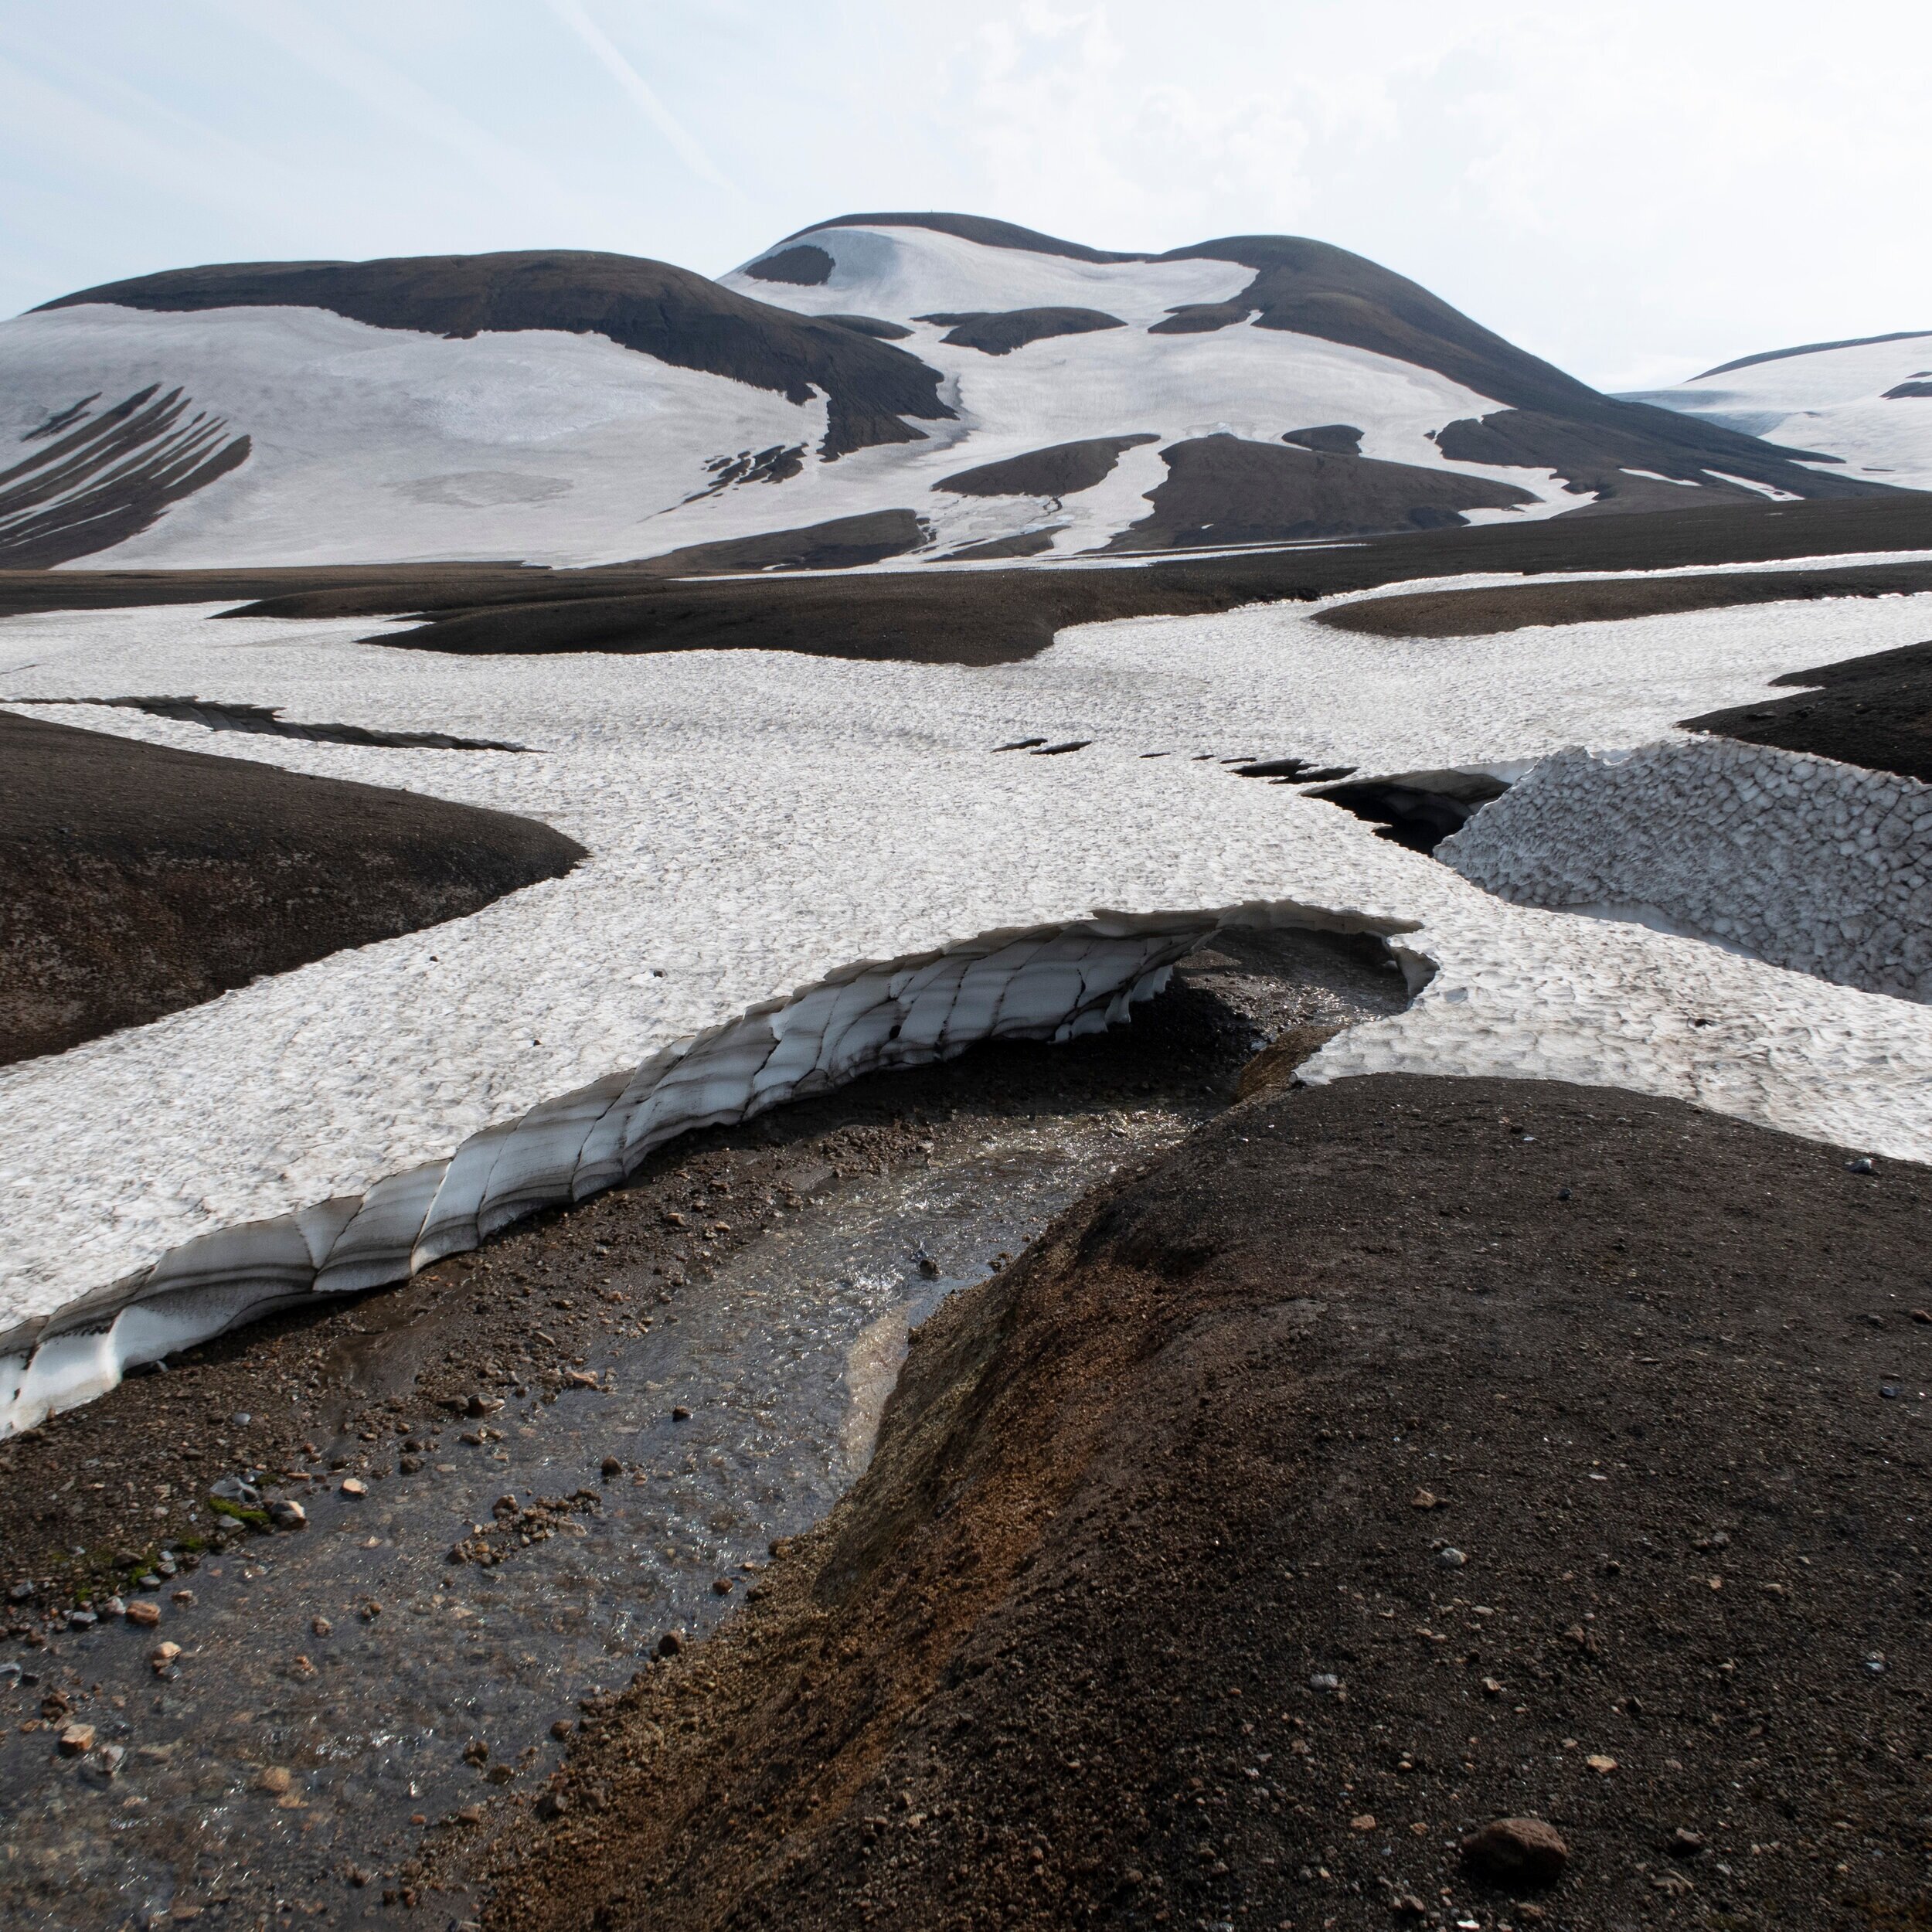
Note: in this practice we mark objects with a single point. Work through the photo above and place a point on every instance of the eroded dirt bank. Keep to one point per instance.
(1389, 1458)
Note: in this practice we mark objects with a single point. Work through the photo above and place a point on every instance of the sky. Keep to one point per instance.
(1636, 192)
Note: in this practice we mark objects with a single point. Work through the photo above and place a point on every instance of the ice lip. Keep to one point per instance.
(1046, 983)
(1798, 861)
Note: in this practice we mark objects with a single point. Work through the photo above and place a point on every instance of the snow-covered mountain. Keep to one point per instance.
(917, 385)
(1867, 402)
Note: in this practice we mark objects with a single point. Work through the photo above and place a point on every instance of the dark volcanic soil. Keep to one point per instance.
(1392, 1458)
(969, 617)
(1875, 711)
(1061, 469)
(1000, 332)
(1518, 607)
(136, 880)
(1225, 489)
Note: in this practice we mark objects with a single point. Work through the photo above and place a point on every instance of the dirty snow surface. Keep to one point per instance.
(760, 823)
(1868, 403)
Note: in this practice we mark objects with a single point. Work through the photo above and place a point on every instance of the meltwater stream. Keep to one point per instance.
(277, 1767)
(346, 1694)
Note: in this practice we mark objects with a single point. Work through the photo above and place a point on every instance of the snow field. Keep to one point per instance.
(762, 826)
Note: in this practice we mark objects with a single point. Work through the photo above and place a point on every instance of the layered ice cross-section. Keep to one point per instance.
(1047, 984)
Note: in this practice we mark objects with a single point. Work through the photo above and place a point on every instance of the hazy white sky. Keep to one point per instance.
(1634, 190)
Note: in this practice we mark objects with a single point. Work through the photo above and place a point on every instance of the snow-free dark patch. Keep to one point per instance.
(1515, 606)
(94, 480)
(264, 721)
(1201, 319)
(999, 332)
(963, 617)
(805, 267)
(1331, 439)
(1225, 489)
(837, 545)
(1905, 389)
(1022, 543)
(1061, 469)
(1417, 809)
(1395, 1456)
(658, 311)
(1874, 711)
(1815, 348)
(976, 228)
(135, 880)
(873, 325)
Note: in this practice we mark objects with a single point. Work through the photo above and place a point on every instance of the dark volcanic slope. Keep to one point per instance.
(1312, 288)
(1516, 607)
(838, 545)
(1875, 711)
(136, 880)
(1225, 489)
(1000, 332)
(94, 479)
(1815, 348)
(1061, 469)
(668, 313)
(986, 616)
(1394, 1456)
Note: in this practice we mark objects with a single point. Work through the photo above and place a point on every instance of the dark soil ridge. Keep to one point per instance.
(1518, 607)
(976, 617)
(1060, 469)
(266, 721)
(1226, 489)
(1396, 1455)
(999, 332)
(107, 477)
(136, 880)
(1874, 711)
(659, 311)
(1815, 349)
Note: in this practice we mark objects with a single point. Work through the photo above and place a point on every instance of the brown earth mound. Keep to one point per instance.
(1518, 607)
(136, 880)
(1227, 489)
(1875, 711)
(1395, 1458)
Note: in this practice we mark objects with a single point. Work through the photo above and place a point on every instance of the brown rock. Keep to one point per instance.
(144, 1613)
(164, 1656)
(320, 1625)
(76, 1740)
(275, 1780)
(1516, 1851)
(354, 1486)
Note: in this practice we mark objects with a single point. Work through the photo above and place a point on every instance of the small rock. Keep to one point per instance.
(1406, 1905)
(162, 1658)
(356, 1875)
(275, 1780)
(680, 1413)
(499, 1774)
(144, 1613)
(112, 1607)
(1685, 1844)
(721, 1587)
(1363, 1821)
(354, 1486)
(470, 1814)
(482, 1406)
(670, 1643)
(303, 1670)
(81, 1620)
(578, 1378)
(1425, 1499)
(109, 1759)
(1601, 1765)
(1451, 1558)
(1863, 1165)
(370, 1611)
(1516, 1851)
(561, 1730)
(185, 1598)
(76, 1740)
(552, 1804)
(1326, 1682)
(235, 1489)
(284, 1513)
(610, 1467)
(1491, 1688)
(1922, 1317)
(320, 1626)
(476, 1752)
